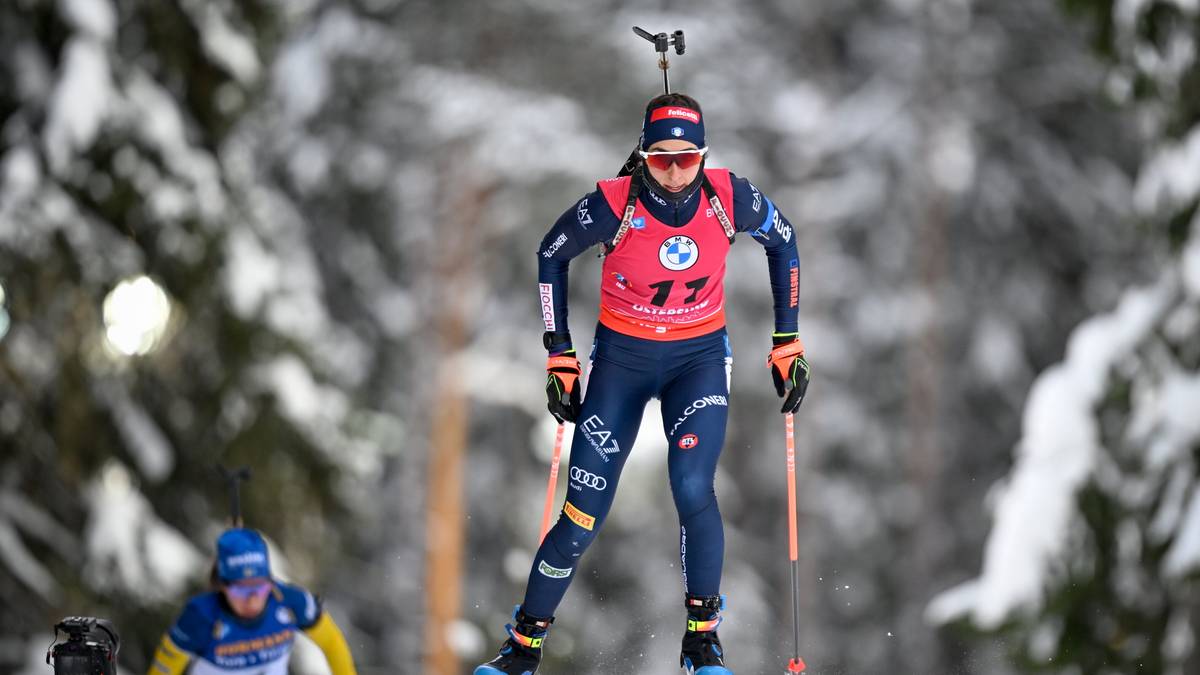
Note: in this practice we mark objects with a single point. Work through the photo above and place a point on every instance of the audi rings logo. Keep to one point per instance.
(589, 479)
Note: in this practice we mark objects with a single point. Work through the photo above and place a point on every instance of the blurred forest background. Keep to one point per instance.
(299, 235)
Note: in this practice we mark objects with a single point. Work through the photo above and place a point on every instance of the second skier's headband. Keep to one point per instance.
(672, 122)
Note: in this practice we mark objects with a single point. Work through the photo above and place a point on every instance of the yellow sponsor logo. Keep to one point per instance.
(579, 517)
(254, 644)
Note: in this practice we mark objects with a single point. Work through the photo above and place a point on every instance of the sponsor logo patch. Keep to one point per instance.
(546, 295)
(275, 642)
(638, 223)
(683, 553)
(587, 479)
(782, 228)
(579, 517)
(678, 253)
(675, 113)
(672, 311)
(793, 282)
(699, 404)
(689, 441)
(581, 212)
(676, 131)
(553, 247)
(249, 558)
(599, 436)
(551, 571)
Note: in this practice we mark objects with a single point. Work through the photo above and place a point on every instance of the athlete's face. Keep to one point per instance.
(673, 177)
(247, 597)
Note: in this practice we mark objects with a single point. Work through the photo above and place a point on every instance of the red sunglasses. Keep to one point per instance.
(662, 160)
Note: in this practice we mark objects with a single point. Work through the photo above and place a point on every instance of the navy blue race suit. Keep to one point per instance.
(689, 376)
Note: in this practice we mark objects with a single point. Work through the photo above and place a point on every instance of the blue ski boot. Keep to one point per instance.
(522, 651)
(702, 653)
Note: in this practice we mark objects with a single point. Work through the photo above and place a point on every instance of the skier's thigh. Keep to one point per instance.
(604, 435)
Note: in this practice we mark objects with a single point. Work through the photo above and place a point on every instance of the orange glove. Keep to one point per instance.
(562, 386)
(789, 370)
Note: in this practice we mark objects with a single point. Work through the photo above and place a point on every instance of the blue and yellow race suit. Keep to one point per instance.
(208, 639)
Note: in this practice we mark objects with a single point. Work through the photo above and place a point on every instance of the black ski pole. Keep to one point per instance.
(233, 479)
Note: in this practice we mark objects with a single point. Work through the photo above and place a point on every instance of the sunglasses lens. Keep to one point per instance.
(660, 162)
(685, 160)
(244, 591)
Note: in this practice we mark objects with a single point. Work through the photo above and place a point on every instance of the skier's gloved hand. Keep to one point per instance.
(562, 386)
(789, 370)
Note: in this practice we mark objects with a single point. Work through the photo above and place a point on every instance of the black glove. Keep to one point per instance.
(562, 386)
(789, 370)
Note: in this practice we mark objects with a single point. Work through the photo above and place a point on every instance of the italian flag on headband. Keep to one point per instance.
(675, 113)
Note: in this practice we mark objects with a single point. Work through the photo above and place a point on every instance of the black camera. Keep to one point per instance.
(91, 647)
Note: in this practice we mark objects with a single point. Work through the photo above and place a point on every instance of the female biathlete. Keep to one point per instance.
(666, 229)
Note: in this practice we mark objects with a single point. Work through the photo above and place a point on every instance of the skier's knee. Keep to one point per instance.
(692, 494)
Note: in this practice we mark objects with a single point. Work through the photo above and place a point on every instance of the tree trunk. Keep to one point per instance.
(455, 269)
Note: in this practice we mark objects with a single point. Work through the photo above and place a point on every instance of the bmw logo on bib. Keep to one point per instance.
(678, 253)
